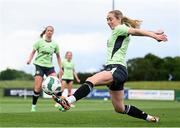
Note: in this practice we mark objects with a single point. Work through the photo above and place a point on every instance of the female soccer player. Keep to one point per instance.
(115, 73)
(45, 47)
(68, 75)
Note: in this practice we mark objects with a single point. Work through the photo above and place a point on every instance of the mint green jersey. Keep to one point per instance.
(45, 52)
(68, 68)
(117, 45)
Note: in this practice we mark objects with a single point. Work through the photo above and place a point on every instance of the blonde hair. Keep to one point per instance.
(67, 53)
(125, 20)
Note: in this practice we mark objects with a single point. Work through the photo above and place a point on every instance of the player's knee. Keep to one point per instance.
(37, 89)
(124, 109)
(119, 110)
(89, 79)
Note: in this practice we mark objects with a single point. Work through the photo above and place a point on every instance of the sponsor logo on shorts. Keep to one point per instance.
(112, 71)
(37, 72)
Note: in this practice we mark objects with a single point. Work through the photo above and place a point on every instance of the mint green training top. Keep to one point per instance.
(45, 52)
(68, 68)
(117, 45)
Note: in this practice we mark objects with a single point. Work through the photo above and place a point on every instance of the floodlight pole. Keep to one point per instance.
(113, 4)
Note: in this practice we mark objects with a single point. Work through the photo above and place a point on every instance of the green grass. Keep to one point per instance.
(15, 112)
(175, 85)
(16, 84)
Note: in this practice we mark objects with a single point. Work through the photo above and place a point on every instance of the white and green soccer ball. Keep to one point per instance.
(51, 85)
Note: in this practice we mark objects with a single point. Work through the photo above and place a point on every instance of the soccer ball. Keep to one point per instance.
(51, 85)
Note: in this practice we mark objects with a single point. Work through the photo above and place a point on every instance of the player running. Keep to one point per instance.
(45, 47)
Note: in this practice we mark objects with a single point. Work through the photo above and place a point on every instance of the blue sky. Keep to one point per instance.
(80, 26)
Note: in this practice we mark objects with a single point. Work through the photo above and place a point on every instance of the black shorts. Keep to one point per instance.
(67, 80)
(120, 76)
(41, 71)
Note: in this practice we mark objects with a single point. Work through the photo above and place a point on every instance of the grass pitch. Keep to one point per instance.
(15, 112)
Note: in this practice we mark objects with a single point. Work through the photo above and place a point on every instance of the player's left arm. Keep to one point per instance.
(59, 64)
(159, 36)
(76, 76)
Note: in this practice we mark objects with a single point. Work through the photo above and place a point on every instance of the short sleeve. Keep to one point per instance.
(56, 49)
(121, 30)
(36, 45)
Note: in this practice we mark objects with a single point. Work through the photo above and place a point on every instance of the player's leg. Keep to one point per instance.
(100, 78)
(38, 78)
(118, 103)
(69, 87)
(117, 94)
(63, 85)
(117, 100)
(37, 90)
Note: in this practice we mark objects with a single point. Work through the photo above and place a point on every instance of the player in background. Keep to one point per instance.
(44, 47)
(68, 75)
(115, 73)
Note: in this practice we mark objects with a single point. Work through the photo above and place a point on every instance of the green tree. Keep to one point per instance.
(154, 68)
(12, 74)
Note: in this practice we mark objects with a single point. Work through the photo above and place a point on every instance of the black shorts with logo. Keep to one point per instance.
(120, 76)
(41, 71)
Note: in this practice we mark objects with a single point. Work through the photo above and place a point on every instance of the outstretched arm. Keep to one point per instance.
(31, 56)
(159, 35)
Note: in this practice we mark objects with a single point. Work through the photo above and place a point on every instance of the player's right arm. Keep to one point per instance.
(31, 56)
(35, 48)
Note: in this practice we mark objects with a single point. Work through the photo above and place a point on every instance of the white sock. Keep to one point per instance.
(149, 117)
(33, 106)
(71, 99)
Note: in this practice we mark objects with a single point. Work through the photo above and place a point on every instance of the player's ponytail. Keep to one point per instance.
(43, 32)
(125, 20)
(130, 22)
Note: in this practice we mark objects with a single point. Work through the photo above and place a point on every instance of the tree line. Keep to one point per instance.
(154, 68)
(12, 74)
(148, 68)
